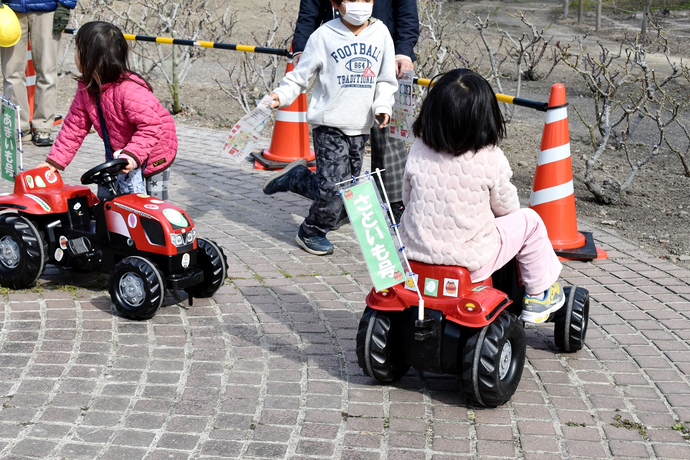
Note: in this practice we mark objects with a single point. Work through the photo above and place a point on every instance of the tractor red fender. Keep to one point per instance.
(447, 289)
(37, 191)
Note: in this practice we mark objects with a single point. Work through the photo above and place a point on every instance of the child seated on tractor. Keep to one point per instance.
(461, 208)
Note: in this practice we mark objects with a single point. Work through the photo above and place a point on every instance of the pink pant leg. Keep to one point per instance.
(523, 235)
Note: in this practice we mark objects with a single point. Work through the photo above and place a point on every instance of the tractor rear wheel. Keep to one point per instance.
(572, 320)
(492, 361)
(379, 352)
(23, 251)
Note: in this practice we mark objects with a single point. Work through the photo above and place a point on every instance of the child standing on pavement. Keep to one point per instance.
(121, 106)
(353, 59)
(460, 206)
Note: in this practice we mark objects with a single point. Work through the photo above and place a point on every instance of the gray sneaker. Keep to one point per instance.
(538, 311)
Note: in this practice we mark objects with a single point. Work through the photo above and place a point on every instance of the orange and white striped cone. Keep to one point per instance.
(553, 196)
(30, 74)
(290, 139)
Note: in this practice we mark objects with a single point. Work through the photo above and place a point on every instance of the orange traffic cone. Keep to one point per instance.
(30, 74)
(553, 196)
(290, 139)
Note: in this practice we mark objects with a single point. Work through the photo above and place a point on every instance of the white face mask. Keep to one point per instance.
(357, 13)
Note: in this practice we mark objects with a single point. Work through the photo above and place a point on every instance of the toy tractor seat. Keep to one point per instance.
(447, 289)
(40, 189)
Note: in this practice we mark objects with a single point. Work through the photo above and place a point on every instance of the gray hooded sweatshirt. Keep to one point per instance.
(355, 76)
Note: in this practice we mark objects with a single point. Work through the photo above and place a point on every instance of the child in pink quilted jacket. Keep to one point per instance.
(460, 206)
(138, 128)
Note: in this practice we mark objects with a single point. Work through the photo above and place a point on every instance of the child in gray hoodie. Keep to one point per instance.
(353, 59)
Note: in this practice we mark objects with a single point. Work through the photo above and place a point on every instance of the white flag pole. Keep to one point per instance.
(402, 247)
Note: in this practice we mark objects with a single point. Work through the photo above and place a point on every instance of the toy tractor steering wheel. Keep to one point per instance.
(105, 173)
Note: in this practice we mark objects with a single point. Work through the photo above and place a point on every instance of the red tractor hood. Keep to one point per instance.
(151, 223)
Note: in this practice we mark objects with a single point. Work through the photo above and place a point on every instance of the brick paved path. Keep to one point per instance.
(267, 368)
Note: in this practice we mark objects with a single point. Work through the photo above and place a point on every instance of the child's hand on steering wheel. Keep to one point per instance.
(131, 162)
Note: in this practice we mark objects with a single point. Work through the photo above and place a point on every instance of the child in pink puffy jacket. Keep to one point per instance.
(139, 129)
(460, 206)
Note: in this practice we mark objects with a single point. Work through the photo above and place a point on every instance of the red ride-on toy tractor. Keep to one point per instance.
(147, 245)
(471, 330)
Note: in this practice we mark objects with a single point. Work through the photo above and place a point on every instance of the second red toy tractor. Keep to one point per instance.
(145, 244)
(468, 329)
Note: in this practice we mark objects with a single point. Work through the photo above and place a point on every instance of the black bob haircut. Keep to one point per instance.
(103, 56)
(460, 114)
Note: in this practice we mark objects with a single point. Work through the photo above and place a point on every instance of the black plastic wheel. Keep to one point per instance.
(379, 353)
(136, 288)
(572, 320)
(214, 263)
(492, 361)
(23, 252)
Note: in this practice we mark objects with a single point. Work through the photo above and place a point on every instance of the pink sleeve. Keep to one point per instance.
(75, 127)
(142, 109)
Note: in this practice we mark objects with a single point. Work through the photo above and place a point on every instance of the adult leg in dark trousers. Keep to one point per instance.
(389, 154)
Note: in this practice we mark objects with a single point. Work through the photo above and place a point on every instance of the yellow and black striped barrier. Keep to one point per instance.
(541, 106)
(536, 105)
(202, 44)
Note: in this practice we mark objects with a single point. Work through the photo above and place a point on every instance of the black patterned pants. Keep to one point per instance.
(338, 158)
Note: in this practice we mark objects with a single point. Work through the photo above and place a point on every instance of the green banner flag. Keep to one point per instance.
(8, 138)
(374, 236)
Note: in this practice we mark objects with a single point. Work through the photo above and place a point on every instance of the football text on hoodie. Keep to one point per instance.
(355, 76)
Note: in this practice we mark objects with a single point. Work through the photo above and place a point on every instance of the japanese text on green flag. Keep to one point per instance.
(8, 138)
(373, 234)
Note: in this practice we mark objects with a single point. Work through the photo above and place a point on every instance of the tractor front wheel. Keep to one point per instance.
(136, 288)
(212, 260)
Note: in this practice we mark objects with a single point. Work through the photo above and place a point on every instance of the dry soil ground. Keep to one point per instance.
(654, 212)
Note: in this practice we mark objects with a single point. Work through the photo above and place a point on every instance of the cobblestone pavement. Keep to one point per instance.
(267, 368)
